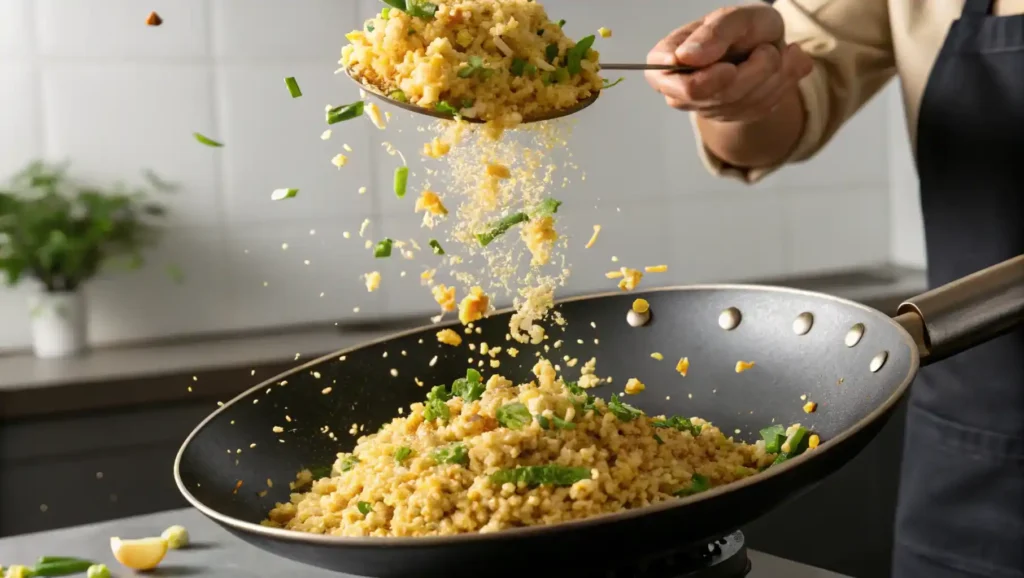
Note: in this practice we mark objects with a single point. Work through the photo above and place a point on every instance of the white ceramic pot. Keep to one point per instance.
(58, 324)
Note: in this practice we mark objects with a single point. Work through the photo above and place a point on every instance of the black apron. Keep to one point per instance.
(961, 505)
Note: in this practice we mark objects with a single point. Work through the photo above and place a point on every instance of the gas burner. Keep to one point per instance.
(722, 558)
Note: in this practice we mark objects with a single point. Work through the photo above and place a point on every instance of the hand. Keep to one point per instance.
(722, 91)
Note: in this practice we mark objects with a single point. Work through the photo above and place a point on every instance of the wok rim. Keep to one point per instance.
(365, 542)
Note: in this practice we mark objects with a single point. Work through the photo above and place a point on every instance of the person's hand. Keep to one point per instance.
(722, 91)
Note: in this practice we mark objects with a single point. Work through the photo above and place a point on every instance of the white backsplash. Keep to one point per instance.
(86, 80)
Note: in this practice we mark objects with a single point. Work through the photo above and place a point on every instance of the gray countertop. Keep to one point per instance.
(217, 554)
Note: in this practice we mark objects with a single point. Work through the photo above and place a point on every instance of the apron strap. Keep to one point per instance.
(978, 7)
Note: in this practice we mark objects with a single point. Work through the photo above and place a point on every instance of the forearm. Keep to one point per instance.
(757, 144)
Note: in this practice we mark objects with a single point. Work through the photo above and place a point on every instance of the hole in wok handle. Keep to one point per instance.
(968, 311)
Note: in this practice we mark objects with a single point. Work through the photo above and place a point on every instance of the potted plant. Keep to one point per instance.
(62, 233)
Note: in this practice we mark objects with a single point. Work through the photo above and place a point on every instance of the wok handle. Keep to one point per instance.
(966, 312)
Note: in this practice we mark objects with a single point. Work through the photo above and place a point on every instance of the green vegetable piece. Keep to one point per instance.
(588, 404)
(437, 406)
(560, 76)
(623, 411)
(401, 181)
(547, 78)
(98, 571)
(369, 26)
(552, 475)
(445, 108)
(399, 4)
(346, 112)
(61, 567)
(398, 96)
(206, 140)
(501, 227)
(402, 454)
(518, 67)
(468, 390)
(561, 423)
(282, 194)
(386, 13)
(547, 208)
(514, 416)
(773, 437)
(383, 249)
(677, 423)
(658, 439)
(698, 484)
(551, 53)
(347, 463)
(473, 375)
(365, 508)
(576, 54)
(606, 85)
(475, 65)
(544, 422)
(293, 86)
(531, 69)
(797, 443)
(436, 246)
(52, 559)
(561, 23)
(453, 454)
(420, 9)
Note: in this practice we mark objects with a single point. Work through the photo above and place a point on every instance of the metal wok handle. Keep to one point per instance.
(966, 312)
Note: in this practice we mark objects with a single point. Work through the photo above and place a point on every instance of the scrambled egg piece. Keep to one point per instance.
(813, 441)
(588, 375)
(427, 277)
(810, 407)
(372, 281)
(540, 236)
(373, 111)
(445, 297)
(339, 160)
(436, 148)
(449, 337)
(683, 366)
(498, 171)
(473, 306)
(605, 32)
(431, 203)
(656, 269)
(630, 278)
(657, 356)
(634, 386)
(742, 366)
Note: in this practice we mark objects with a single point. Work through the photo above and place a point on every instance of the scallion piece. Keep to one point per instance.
(518, 67)
(383, 249)
(281, 194)
(607, 85)
(561, 23)
(501, 227)
(401, 181)
(551, 53)
(553, 475)
(206, 140)
(531, 68)
(293, 87)
(561, 75)
(473, 66)
(399, 4)
(385, 13)
(346, 112)
(547, 208)
(773, 438)
(698, 484)
(402, 454)
(364, 508)
(420, 9)
(399, 96)
(444, 107)
(574, 58)
(438, 250)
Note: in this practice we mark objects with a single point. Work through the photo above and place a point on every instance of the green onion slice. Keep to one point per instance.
(501, 227)
(346, 112)
(206, 140)
(281, 194)
(383, 249)
(401, 181)
(293, 87)
(436, 246)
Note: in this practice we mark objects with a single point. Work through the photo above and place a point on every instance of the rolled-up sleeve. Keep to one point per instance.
(851, 44)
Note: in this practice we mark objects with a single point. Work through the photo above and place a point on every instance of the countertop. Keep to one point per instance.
(217, 554)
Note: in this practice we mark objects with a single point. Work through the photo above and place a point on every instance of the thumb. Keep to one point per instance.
(730, 30)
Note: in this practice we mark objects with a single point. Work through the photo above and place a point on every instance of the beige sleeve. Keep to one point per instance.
(850, 42)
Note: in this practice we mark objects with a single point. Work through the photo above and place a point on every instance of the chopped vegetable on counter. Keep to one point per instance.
(98, 571)
(176, 536)
(281, 194)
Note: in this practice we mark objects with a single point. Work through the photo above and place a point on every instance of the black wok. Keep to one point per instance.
(856, 382)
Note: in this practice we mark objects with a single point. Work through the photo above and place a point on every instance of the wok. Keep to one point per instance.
(855, 362)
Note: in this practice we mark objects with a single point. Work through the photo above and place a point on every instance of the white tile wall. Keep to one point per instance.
(87, 81)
